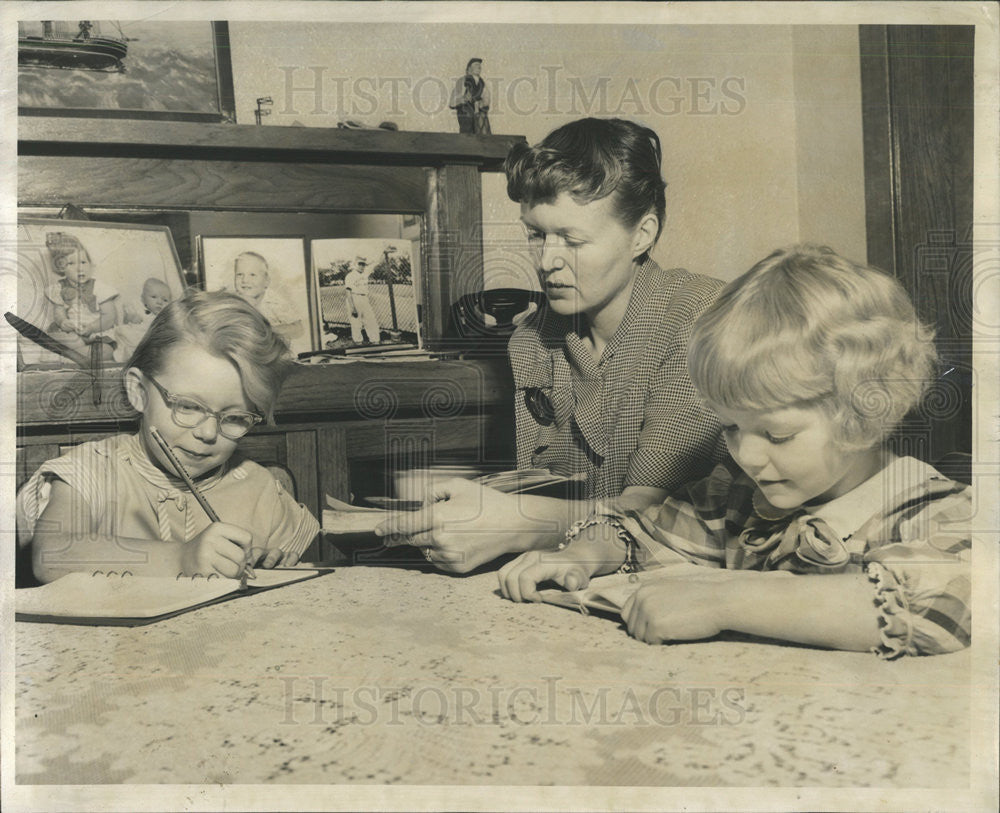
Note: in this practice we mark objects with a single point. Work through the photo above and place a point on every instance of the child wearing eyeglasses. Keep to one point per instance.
(208, 369)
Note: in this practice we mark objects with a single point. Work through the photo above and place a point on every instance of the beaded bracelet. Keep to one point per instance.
(631, 564)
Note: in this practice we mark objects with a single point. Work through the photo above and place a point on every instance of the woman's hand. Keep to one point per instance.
(676, 610)
(221, 548)
(464, 525)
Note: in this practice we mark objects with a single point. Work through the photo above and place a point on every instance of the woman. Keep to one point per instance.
(600, 372)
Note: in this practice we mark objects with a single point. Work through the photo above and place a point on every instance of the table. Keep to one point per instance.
(377, 675)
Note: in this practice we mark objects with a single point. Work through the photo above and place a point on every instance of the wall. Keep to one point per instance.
(760, 125)
(829, 149)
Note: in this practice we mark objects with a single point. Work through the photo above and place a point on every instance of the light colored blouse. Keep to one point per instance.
(130, 498)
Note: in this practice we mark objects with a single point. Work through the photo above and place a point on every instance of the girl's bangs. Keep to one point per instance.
(760, 371)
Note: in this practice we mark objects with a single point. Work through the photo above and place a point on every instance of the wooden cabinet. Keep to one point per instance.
(339, 427)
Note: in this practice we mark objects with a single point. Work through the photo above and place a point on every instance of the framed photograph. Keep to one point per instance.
(270, 273)
(138, 69)
(366, 293)
(88, 284)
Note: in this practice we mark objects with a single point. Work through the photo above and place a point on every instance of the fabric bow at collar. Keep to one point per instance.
(796, 541)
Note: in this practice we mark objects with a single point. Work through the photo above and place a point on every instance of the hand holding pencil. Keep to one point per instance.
(213, 546)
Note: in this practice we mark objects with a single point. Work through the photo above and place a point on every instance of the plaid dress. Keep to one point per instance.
(632, 418)
(907, 528)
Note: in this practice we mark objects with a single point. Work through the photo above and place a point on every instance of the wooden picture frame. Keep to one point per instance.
(117, 74)
(134, 267)
(268, 271)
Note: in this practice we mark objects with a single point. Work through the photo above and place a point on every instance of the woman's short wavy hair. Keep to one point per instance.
(225, 325)
(590, 159)
(807, 326)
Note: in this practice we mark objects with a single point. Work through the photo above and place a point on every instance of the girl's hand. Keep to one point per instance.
(221, 548)
(272, 557)
(676, 610)
(519, 579)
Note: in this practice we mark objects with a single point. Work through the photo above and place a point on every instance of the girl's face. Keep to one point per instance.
(792, 455)
(583, 254)
(192, 371)
(76, 267)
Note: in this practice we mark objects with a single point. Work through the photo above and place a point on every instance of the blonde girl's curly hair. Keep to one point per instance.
(807, 326)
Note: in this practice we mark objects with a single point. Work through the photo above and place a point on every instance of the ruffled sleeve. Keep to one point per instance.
(103, 292)
(921, 579)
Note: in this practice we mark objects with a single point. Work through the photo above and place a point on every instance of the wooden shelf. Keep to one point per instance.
(359, 390)
(45, 135)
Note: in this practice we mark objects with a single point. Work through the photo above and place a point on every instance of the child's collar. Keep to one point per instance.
(849, 512)
(133, 449)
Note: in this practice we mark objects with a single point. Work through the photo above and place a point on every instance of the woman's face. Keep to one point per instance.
(583, 254)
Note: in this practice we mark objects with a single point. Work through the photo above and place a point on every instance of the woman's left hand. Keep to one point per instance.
(675, 610)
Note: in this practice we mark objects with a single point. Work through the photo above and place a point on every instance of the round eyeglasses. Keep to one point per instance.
(190, 412)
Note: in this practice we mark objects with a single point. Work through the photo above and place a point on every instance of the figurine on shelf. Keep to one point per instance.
(471, 100)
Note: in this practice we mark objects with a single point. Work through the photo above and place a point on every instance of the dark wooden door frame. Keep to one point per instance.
(918, 104)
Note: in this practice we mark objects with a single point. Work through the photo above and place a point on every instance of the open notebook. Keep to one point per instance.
(111, 599)
(609, 593)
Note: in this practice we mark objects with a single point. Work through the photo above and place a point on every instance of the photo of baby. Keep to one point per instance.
(93, 287)
(269, 273)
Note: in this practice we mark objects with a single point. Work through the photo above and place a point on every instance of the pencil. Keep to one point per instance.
(179, 468)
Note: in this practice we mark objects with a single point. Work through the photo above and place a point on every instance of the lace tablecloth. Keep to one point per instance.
(381, 676)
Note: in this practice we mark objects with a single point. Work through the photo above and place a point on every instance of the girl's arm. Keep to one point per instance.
(65, 541)
(639, 498)
(835, 611)
(60, 318)
(108, 318)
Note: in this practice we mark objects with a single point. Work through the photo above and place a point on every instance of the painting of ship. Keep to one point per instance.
(76, 45)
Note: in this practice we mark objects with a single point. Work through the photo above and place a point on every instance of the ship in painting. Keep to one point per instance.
(70, 45)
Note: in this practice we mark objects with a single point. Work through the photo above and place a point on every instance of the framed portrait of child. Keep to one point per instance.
(93, 287)
(269, 273)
